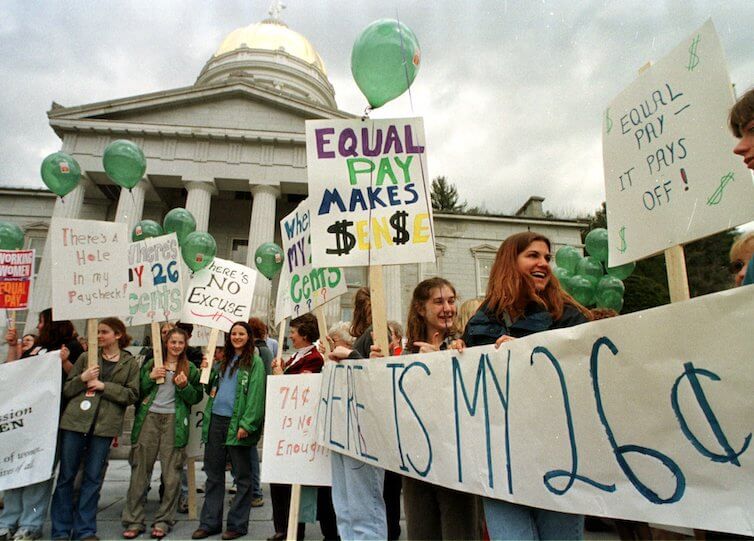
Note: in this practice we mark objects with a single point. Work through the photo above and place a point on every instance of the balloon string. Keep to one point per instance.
(368, 110)
(405, 62)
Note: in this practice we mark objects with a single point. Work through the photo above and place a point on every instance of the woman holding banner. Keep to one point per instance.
(98, 398)
(161, 429)
(523, 297)
(233, 420)
(26, 507)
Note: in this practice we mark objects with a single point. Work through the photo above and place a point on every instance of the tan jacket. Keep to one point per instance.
(108, 406)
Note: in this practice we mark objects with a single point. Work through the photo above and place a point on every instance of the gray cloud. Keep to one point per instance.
(512, 92)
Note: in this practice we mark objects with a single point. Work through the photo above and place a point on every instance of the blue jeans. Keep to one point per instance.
(357, 498)
(514, 521)
(76, 447)
(26, 507)
(256, 484)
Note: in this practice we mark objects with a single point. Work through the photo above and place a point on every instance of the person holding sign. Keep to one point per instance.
(233, 420)
(161, 429)
(307, 359)
(523, 297)
(98, 398)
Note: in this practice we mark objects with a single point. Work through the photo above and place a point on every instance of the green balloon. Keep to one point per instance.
(583, 289)
(596, 243)
(385, 60)
(198, 250)
(610, 299)
(60, 173)
(590, 266)
(567, 257)
(146, 229)
(179, 221)
(609, 290)
(623, 271)
(124, 163)
(563, 275)
(11, 236)
(269, 259)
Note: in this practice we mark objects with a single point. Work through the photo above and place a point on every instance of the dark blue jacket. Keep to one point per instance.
(485, 328)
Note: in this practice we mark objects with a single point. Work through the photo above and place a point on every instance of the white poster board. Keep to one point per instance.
(626, 417)
(89, 269)
(28, 419)
(155, 291)
(195, 447)
(291, 454)
(303, 287)
(670, 174)
(368, 192)
(219, 295)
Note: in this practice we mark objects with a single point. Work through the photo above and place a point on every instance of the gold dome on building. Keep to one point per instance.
(272, 35)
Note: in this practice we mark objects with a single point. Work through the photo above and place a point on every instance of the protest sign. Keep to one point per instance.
(16, 274)
(219, 295)
(670, 173)
(29, 406)
(195, 447)
(302, 287)
(89, 269)
(291, 454)
(625, 417)
(154, 280)
(368, 195)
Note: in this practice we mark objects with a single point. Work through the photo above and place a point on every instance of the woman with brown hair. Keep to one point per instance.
(524, 297)
(161, 428)
(98, 398)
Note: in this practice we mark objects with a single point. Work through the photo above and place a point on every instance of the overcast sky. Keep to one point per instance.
(512, 92)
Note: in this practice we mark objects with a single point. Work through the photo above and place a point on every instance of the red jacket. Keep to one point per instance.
(311, 362)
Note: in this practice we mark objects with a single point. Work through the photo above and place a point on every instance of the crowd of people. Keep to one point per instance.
(523, 297)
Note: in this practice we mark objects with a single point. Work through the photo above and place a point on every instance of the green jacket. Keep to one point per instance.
(109, 405)
(184, 398)
(248, 410)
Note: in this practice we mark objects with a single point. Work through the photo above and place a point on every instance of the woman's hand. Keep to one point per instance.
(458, 344)
(157, 373)
(205, 363)
(90, 374)
(180, 380)
(277, 367)
(95, 385)
(65, 354)
(503, 339)
(11, 337)
(242, 434)
(339, 353)
(375, 352)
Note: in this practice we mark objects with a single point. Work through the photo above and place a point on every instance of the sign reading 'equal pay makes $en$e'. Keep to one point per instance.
(368, 197)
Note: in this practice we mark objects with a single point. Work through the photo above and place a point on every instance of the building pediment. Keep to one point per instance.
(238, 106)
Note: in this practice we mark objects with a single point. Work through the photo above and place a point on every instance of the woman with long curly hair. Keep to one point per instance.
(524, 297)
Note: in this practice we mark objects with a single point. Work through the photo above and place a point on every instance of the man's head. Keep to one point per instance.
(742, 125)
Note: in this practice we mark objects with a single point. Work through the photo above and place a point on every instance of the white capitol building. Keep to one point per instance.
(230, 148)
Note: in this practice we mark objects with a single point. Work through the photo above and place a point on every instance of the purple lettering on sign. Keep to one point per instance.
(321, 142)
(347, 143)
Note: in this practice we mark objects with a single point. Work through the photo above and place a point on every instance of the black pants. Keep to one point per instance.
(391, 493)
(214, 465)
(281, 502)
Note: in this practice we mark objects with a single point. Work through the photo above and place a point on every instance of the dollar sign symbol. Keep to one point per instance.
(398, 221)
(608, 120)
(344, 239)
(693, 58)
(622, 234)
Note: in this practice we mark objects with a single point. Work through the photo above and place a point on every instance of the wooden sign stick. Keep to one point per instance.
(292, 534)
(157, 349)
(91, 339)
(379, 309)
(319, 311)
(211, 346)
(11, 320)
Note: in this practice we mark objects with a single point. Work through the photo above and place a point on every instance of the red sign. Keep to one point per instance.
(16, 274)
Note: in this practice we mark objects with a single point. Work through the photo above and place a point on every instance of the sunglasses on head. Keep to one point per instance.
(734, 267)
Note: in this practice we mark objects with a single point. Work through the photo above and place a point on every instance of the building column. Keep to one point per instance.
(198, 201)
(393, 294)
(261, 230)
(131, 205)
(67, 207)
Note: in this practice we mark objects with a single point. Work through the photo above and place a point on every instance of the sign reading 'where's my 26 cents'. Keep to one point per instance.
(368, 194)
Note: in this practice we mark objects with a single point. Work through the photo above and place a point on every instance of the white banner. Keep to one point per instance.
(670, 174)
(89, 269)
(291, 454)
(302, 287)
(368, 192)
(28, 419)
(219, 295)
(154, 280)
(647, 416)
